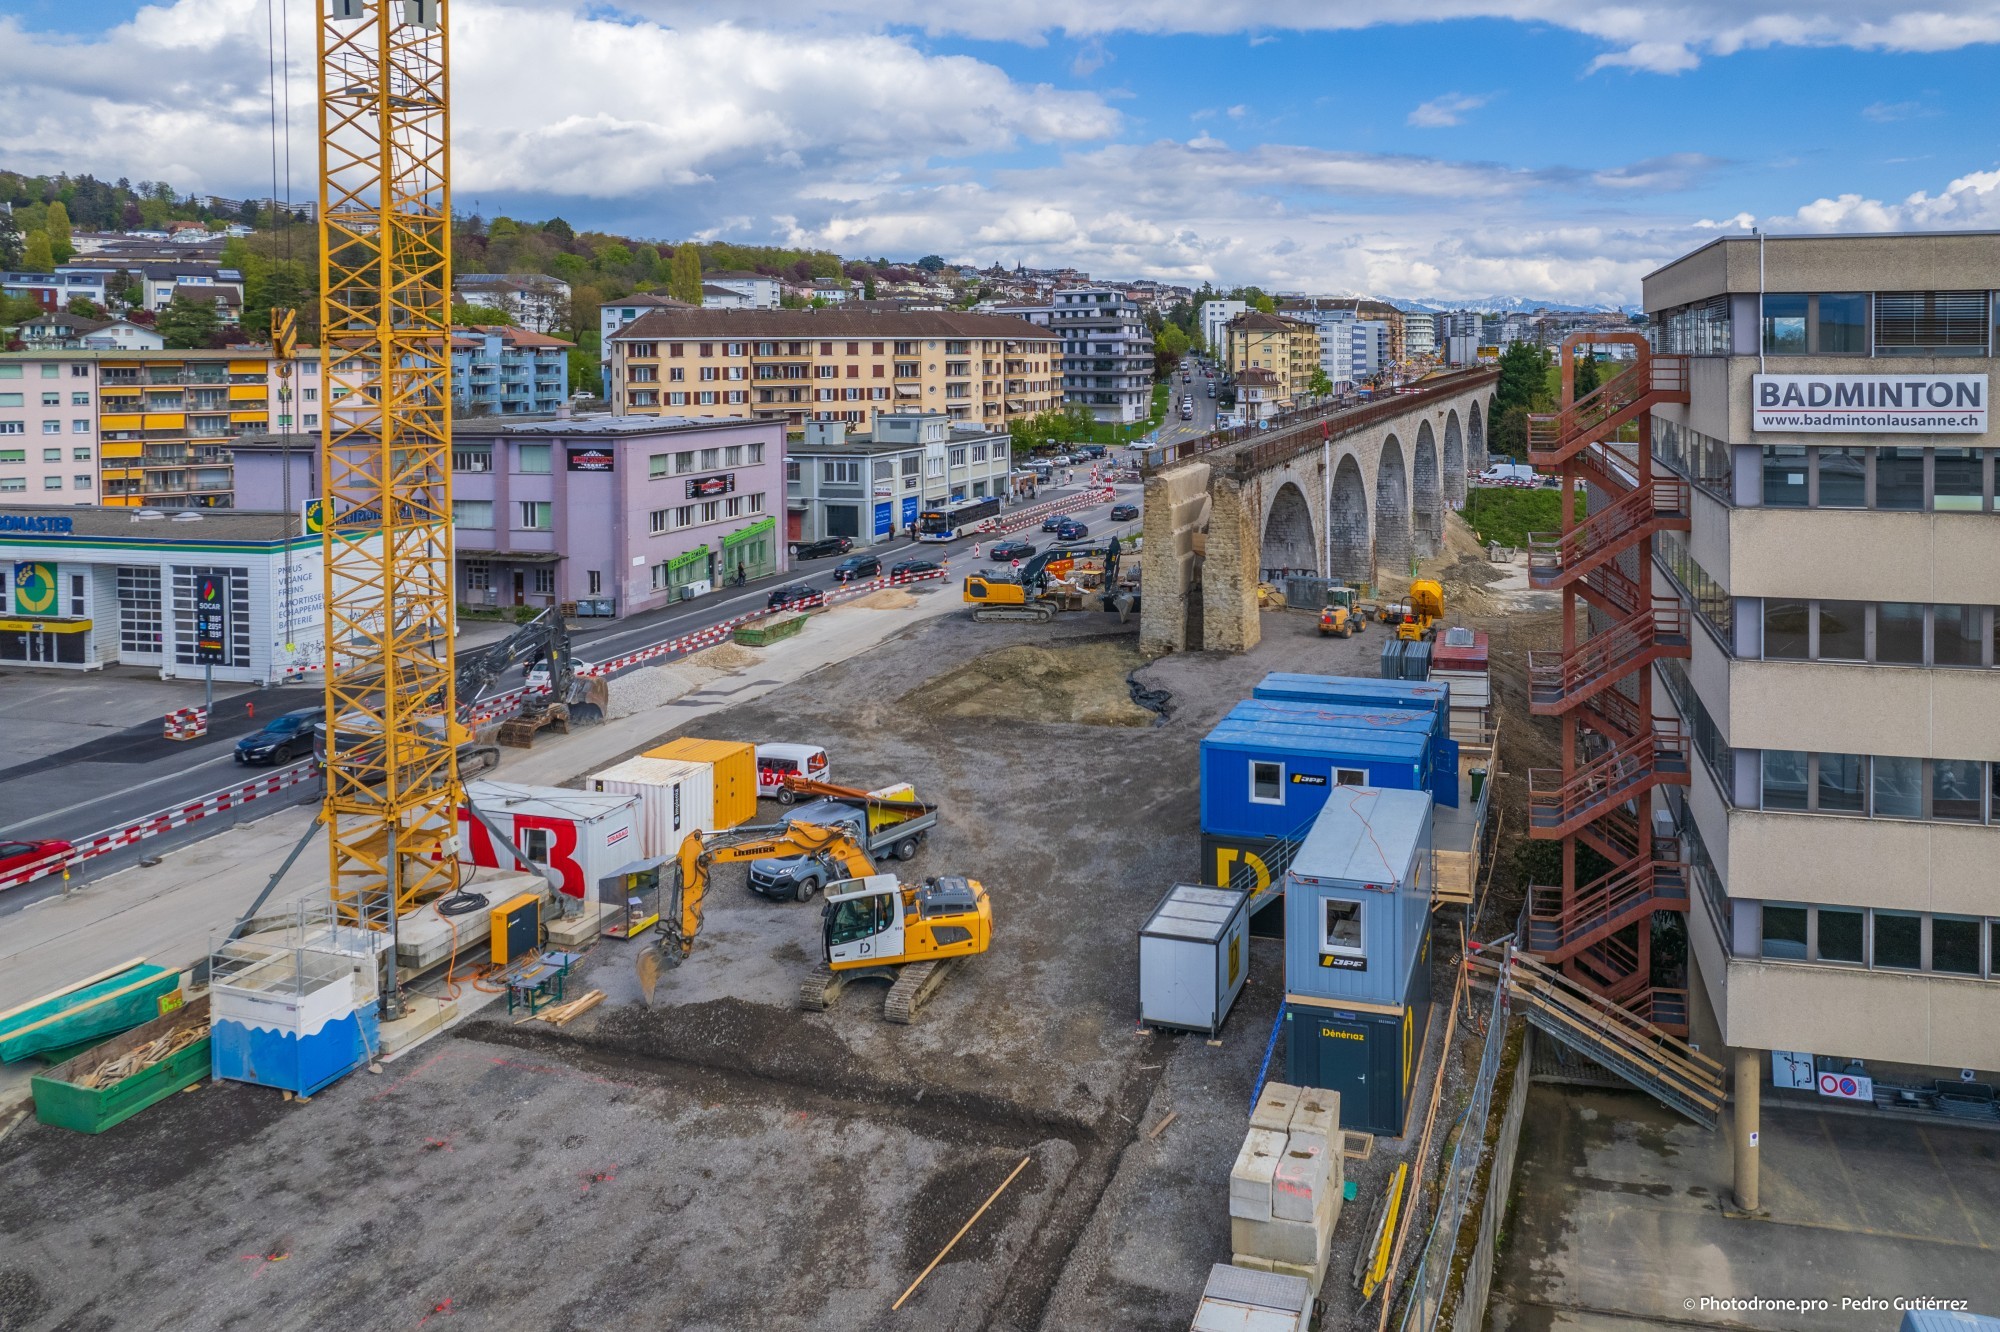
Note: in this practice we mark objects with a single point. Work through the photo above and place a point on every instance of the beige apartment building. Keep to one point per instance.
(848, 366)
(1840, 565)
(1288, 348)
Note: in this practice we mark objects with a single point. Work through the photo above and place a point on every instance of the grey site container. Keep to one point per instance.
(1194, 954)
(1237, 1299)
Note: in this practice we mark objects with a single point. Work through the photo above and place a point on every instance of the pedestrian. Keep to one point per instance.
(742, 574)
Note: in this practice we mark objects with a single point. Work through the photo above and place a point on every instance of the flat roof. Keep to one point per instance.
(124, 524)
(1845, 236)
(1363, 834)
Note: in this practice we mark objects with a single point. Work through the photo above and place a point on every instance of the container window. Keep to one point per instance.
(1839, 935)
(1350, 777)
(1267, 782)
(1341, 930)
(1785, 932)
(535, 844)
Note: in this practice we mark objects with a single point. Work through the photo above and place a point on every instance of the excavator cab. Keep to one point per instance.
(862, 922)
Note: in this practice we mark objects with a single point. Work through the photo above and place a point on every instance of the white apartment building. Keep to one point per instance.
(535, 301)
(1214, 317)
(1841, 569)
(1107, 353)
(1419, 334)
(614, 315)
(739, 291)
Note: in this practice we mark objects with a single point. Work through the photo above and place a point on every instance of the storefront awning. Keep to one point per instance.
(905, 391)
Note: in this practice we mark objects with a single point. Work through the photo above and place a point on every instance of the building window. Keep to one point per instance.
(1784, 932)
(756, 498)
(535, 515)
(472, 460)
(595, 580)
(52, 427)
(840, 473)
(1267, 783)
(1899, 940)
(711, 510)
(1843, 934)
(532, 459)
(478, 576)
(51, 483)
(1955, 945)
(1843, 634)
(1958, 481)
(79, 455)
(545, 580)
(705, 399)
(756, 452)
(473, 514)
(1930, 323)
(1899, 479)
(1897, 786)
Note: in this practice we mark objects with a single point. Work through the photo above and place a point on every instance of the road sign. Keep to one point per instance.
(211, 621)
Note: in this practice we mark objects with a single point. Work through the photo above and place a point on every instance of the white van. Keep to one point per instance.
(776, 762)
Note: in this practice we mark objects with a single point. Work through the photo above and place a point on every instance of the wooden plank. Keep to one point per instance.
(1688, 1081)
(1655, 1044)
(1552, 979)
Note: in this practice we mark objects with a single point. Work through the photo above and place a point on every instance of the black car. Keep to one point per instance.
(1124, 512)
(284, 738)
(856, 566)
(911, 568)
(1090, 451)
(819, 550)
(1071, 530)
(1053, 521)
(794, 594)
(1012, 550)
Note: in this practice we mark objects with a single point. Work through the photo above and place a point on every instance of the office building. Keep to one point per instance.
(869, 485)
(1820, 776)
(1213, 317)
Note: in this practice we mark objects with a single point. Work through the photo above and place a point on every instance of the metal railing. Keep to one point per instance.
(1296, 432)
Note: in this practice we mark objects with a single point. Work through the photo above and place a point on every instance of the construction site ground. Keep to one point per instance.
(720, 1159)
(1620, 1219)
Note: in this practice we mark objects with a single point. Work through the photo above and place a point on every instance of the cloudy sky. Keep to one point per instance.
(1421, 148)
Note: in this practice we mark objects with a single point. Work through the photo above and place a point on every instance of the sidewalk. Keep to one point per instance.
(168, 912)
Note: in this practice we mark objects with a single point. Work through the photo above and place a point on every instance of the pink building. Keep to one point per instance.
(48, 429)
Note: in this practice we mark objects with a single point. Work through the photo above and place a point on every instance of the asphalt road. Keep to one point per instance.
(121, 778)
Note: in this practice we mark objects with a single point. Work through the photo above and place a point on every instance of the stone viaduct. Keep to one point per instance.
(1354, 493)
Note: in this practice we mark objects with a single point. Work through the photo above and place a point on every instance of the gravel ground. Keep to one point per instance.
(719, 1159)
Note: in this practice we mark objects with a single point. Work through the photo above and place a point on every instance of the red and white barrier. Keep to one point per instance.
(1034, 514)
(165, 821)
(187, 724)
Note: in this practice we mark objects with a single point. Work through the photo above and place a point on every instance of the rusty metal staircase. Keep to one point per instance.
(1593, 936)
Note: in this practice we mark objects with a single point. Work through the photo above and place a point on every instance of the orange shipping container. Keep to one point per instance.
(735, 766)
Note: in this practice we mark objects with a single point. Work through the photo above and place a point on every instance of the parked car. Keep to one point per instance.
(794, 594)
(1072, 530)
(1014, 550)
(777, 761)
(820, 549)
(20, 855)
(1092, 451)
(911, 568)
(1061, 460)
(856, 566)
(285, 737)
(1121, 513)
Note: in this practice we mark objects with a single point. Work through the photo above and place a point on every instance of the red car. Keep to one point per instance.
(20, 855)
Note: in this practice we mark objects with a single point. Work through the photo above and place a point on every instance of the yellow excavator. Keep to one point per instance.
(1062, 578)
(872, 926)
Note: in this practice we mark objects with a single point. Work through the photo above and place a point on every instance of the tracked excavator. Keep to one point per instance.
(1064, 578)
(872, 926)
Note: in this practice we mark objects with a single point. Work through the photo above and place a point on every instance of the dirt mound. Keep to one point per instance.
(1081, 682)
(723, 657)
(889, 598)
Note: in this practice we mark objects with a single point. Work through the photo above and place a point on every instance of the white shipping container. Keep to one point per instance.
(576, 837)
(676, 797)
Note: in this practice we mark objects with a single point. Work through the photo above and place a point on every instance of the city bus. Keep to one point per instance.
(952, 523)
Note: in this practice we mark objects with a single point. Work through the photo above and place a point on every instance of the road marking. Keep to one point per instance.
(1965, 1211)
(136, 786)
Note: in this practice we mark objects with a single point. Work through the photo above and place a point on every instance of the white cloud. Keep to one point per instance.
(1443, 112)
(1971, 202)
(1889, 112)
(1090, 58)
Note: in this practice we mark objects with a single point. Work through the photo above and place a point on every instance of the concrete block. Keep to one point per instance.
(1276, 1106)
(423, 1017)
(1251, 1261)
(1250, 1177)
(1301, 1183)
(1312, 1273)
(1316, 1120)
(1302, 1242)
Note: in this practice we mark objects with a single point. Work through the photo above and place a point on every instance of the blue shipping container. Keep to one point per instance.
(1266, 778)
(1358, 897)
(1358, 690)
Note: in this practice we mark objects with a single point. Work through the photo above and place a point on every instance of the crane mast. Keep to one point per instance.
(392, 784)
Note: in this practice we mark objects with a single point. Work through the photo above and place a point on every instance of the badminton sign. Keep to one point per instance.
(1914, 404)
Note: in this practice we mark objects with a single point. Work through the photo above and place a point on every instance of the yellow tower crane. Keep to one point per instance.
(392, 784)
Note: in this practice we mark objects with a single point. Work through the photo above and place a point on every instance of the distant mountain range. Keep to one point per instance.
(1502, 305)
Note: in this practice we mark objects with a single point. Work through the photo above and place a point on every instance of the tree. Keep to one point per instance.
(187, 324)
(1586, 376)
(480, 314)
(129, 217)
(1319, 385)
(57, 226)
(10, 242)
(1524, 380)
(931, 263)
(558, 228)
(684, 275)
(1171, 344)
(85, 308)
(36, 256)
